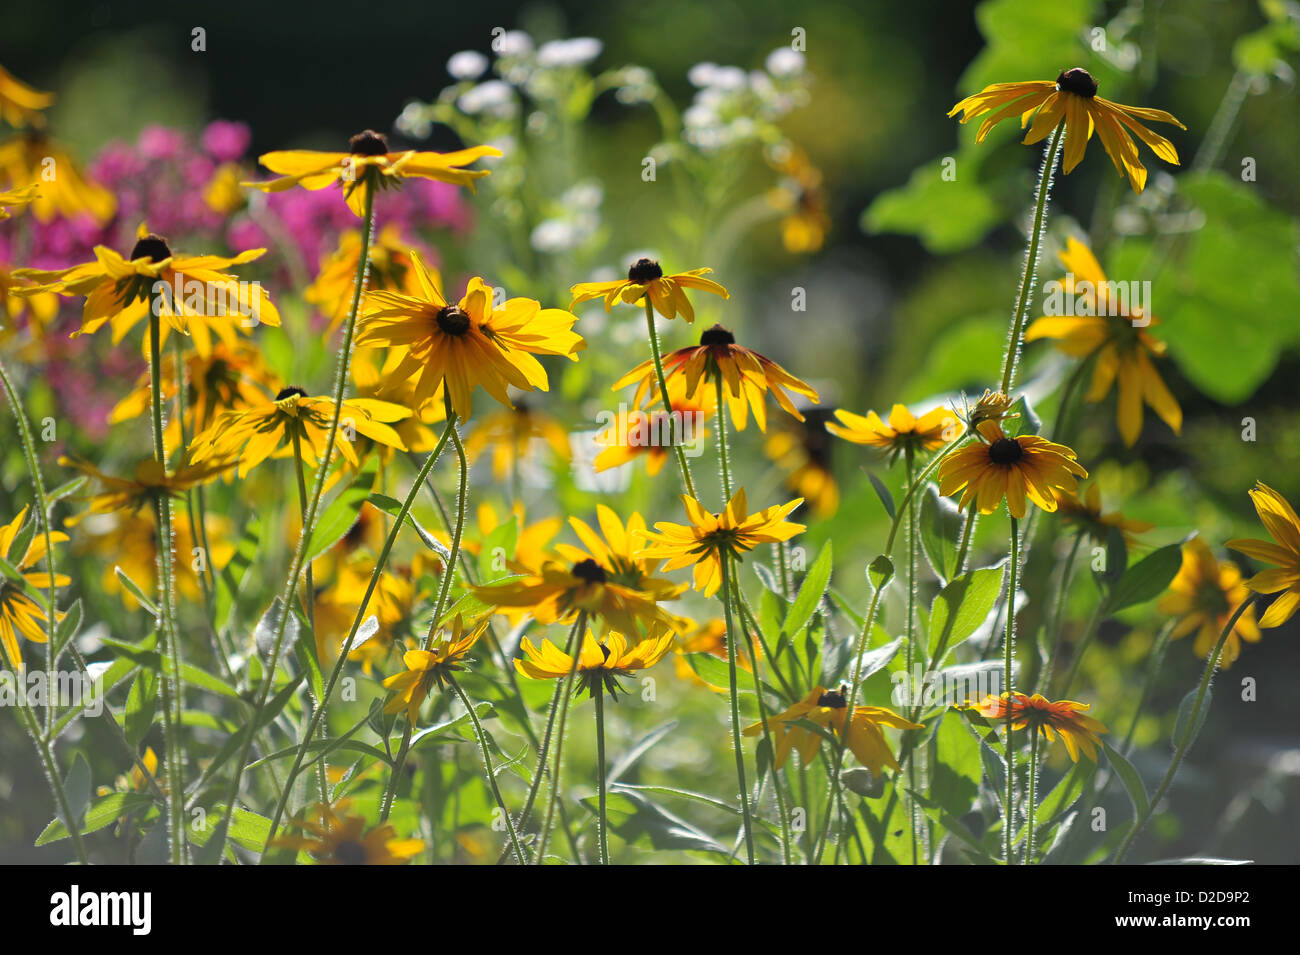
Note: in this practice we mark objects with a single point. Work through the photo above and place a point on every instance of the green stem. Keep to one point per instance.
(1054, 626)
(1033, 794)
(914, 811)
(1157, 657)
(308, 593)
(653, 334)
(602, 823)
(565, 699)
(449, 568)
(487, 766)
(1008, 661)
(919, 482)
(1093, 622)
(967, 533)
(747, 821)
(724, 459)
(1189, 731)
(1031, 263)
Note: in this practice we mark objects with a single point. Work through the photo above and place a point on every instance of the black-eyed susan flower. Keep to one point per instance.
(1203, 596)
(800, 196)
(1084, 512)
(340, 839)
(193, 293)
(17, 198)
(470, 343)
(337, 607)
(376, 381)
(711, 538)
(130, 541)
(903, 433)
(30, 156)
(747, 377)
(645, 278)
(390, 269)
(222, 193)
(617, 549)
(1113, 330)
(829, 708)
(20, 105)
(1072, 99)
(39, 308)
(1279, 518)
(651, 432)
(427, 669)
(600, 663)
(368, 160)
(996, 467)
(1078, 731)
(150, 481)
(251, 435)
(803, 452)
(512, 435)
(20, 615)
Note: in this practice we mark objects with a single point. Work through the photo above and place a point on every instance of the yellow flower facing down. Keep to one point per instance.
(336, 607)
(651, 432)
(368, 160)
(747, 377)
(903, 433)
(511, 435)
(390, 269)
(997, 467)
(40, 308)
(600, 663)
(426, 669)
(801, 197)
(28, 158)
(1114, 332)
(1072, 99)
(20, 615)
(1203, 595)
(865, 738)
(467, 344)
(21, 105)
(192, 293)
(1078, 731)
(249, 436)
(16, 198)
(338, 839)
(711, 538)
(378, 383)
(1084, 512)
(1279, 518)
(646, 277)
(803, 451)
(150, 481)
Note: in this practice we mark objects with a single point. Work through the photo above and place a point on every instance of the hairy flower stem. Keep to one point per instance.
(746, 818)
(450, 564)
(1008, 663)
(576, 639)
(1012, 357)
(1033, 794)
(270, 665)
(487, 766)
(915, 485)
(602, 821)
(914, 810)
(653, 335)
(170, 684)
(724, 458)
(1189, 731)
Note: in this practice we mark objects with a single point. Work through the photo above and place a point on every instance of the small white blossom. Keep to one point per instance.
(467, 65)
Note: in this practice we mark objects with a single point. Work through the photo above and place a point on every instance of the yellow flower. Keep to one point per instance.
(865, 738)
(1066, 717)
(1204, 595)
(1112, 330)
(903, 433)
(646, 277)
(1073, 99)
(131, 543)
(802, 199)
(1280, 520)
(804, 453)
(28, 158)
(1085, 513)
(19, 103)
(14, 198)
(41, 307)
(193, 293)
(379, 384)
(249, 436)
(150, 481)
(337, 606)
(710, 538)
(344, 840)
(747, 377)
(531, 540)
(222, 193)
(510, 434)
(426, 669)
(390, 269)
(997, 467)
(650, 432)
(710, 638)
(599, 664)
(368, 160)
(470, 343)
(617, 550)
(19, 613)
(135, 781)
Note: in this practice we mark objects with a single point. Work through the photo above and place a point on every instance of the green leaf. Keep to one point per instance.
(1147, 579)
(960, 608)
(77, 788)
(638, 820)
(141, 703)
(498, 546)
(136, 592)
(940, 525)
(882, 492)
(1185, 717)
(102, 812)
(342, 512)
(65, 489)
(810, 592)
(946, 214)
(637, 750)
(1131, 779)
(955, 778)
(880, 572)
(231, 576)
(393, 507)
(23, 539)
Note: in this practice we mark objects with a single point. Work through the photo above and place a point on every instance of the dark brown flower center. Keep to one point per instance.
(1005, 451)
(644, 270)
(833, 699)
(151, 247)
(453, 321)
(717, 335)
(589, 572)
(368, 143)
(293, 391)
(350, 853)
(1077, 81)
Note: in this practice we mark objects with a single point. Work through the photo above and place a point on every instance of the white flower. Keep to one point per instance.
(784, 61)
(701, 74)
(512, 43)
(729, 78)
(467, 65)
(583, 195)
(413, 122)
(554, 235)
(493, 96)
(575, 52)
